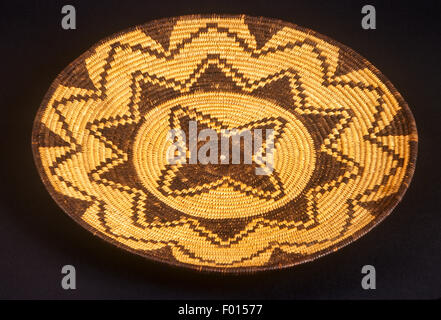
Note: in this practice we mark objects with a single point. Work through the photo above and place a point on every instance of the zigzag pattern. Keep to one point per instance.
(328, 126)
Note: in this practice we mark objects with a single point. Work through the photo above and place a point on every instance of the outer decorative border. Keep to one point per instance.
(60, 199)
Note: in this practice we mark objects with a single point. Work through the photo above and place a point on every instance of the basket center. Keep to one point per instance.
(223, 155)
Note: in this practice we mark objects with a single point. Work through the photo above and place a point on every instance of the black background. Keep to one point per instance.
(37, 238)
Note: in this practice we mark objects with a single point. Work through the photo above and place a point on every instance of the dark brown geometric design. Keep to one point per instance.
(78, 77)
(50, 139)
(205, 177)
(78, 206)
(161, 35)
(85, 131)
(278, 90)
(397, 127)
(280, 258)
(261, 30)
(123, 174)
(119, 135)
(226, 229)
(213, 78)
(346, 64)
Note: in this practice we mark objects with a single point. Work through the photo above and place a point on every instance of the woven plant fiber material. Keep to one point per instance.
(344, 142)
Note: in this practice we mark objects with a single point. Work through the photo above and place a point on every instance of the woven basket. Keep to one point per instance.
(343, 153)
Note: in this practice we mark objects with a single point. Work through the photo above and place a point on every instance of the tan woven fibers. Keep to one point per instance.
(344, 142)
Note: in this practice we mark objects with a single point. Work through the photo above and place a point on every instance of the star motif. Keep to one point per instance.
(187, 179)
